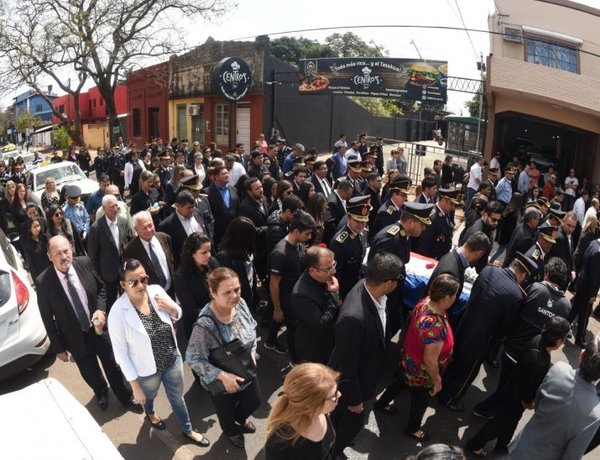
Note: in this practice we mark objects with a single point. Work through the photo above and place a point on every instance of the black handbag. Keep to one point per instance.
(233, 357)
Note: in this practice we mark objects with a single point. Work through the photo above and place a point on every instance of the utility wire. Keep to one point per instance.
(466, 30)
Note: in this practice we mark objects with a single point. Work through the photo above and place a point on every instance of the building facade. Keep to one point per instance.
(543, 83)
(31, 101)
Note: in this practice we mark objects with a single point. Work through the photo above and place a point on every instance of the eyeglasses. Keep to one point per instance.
(335, 398)
(59, 213)
(328, 270)
(142, 279)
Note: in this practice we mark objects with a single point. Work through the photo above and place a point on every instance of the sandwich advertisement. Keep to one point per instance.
(416, 80)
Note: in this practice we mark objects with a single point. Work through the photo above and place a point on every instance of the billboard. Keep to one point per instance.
(417, 80)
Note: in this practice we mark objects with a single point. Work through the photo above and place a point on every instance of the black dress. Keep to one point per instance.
(278, 448)
(36, 255)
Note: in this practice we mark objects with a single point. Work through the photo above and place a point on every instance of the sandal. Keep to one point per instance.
(422, 437)
(159, 425)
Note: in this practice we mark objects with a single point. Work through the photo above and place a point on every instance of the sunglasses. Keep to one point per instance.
(336, 397)
(133, 283)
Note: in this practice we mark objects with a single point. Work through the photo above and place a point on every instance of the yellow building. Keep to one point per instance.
(543, 83)
(187, 120)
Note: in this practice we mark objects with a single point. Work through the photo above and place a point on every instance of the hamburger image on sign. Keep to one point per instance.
(421, 73)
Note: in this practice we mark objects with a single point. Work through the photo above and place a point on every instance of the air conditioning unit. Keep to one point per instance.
(513, 34)
(193, 110)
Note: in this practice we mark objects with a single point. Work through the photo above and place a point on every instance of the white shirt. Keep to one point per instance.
(190, 224)
(475, 173)
(579, 210)
(199, 170)
(351, 151)
(114, 229)
(130, 341)
(237, 171)
(78, 287)
(162, 258)
(128, 171)
(325, 186)
(571, 181)
(494, 163)
(380, 305)
(343, 201)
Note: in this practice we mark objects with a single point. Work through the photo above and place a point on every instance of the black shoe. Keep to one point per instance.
(581, 343)
(388, 409)
(237, 440)
(247, 427)
(159, 425)
(133, 407)
(276, 347)
(455, 406)
(197, 438)
(487, 414)
(102, 401)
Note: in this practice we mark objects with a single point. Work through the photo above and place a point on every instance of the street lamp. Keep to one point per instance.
(412, 42)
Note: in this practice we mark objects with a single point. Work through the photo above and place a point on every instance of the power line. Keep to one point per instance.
(466, 31)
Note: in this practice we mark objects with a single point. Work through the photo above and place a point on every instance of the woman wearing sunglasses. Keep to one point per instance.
(298, 426)
(144, 344)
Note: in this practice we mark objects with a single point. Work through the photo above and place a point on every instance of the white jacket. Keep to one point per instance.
(130, 341)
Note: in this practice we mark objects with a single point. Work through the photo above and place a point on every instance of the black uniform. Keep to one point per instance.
(165, 175)
(436, 240)
(358, 184)
(540, 258)
(349, 249)
(588, 283)
(101, 165)
(479, 226)
(375, 205)
(387, 214)
(522, 239)
(116, 164)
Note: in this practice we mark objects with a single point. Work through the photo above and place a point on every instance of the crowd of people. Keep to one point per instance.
(234, 246)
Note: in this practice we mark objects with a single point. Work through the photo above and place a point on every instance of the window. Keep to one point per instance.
(61, 108)
(552, 54)
(222, 124)
(153, 122)
(137, 122)
(181, 121)
(39, 108)
(101, 102)
(94, 102)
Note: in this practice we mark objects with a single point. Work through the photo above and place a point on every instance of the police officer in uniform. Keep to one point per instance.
(437, 238)
(350, 244)
(193, 184)
(555, 215)
(394, 239)
(165, 170)
(540, 251)
(353, 175)
(390, 211)
(492, 179)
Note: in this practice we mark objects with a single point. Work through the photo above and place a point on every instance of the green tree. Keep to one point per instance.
(62, 139)
(351, 45)
(472, 105)
(27, 120)
(292, 50)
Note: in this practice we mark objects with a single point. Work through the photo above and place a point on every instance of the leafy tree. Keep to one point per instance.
(27, 120)
(351, 45)
(292, 50)
(62, 139)
(472, 105)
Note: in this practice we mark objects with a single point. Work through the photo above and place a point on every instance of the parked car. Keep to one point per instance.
(63, 173)
(23, 337)
(542, 161)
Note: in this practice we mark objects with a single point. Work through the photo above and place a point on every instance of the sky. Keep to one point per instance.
(267, 17)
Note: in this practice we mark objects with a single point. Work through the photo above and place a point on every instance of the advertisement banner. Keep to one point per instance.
(411, 79)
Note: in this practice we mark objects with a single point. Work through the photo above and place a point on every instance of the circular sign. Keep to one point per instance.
(233, 78)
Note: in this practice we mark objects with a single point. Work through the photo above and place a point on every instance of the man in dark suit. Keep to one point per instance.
(315, 302)
(256, 208)
(319, 179)
(487, 223)
(72, 297)
(106, 242)
(153, 250)
(524, 234)
(184, 221)
(362, 337)
(223, 200)
(390, 211)
(336, 207)
(564, 246)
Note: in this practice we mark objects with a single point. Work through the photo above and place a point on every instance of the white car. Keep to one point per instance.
(64, 172)
(23, 337)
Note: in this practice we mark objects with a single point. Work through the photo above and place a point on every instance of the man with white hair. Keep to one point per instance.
(106, 243)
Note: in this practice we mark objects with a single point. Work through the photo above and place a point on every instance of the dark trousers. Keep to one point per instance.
(419, 400)
(233, 409)
(501, 427)
(112, 293)
(289, 319)
(347, 424)
(98, 347)
(491, 403)
(458, 377)
(580, 309)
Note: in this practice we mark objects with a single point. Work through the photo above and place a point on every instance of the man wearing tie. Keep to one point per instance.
(256, 208)
(106, 242)
(71, 296)
(153, 250)
(183, 222)
(319, 179)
